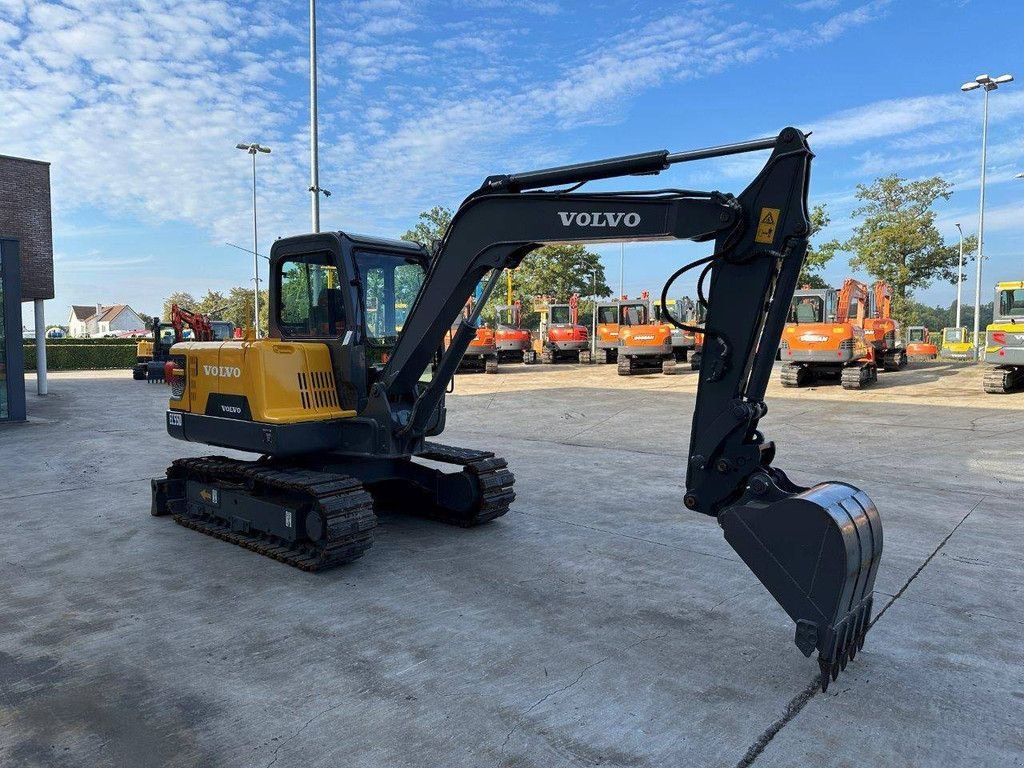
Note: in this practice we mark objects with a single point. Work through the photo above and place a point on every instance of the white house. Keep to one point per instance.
(101, 320)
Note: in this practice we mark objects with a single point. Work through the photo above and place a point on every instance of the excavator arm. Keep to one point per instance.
(815, 549)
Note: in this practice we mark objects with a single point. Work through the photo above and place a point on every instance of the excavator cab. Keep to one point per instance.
(337, 407)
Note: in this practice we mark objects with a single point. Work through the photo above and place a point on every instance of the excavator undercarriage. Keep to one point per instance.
(340, 401)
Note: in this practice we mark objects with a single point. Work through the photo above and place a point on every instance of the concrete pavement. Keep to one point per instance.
(598, 623)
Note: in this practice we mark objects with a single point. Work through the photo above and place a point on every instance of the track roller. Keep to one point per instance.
(586, 357)
(625, 366)
(1002, 380)
(858, 376)
(491, 365)
(305, 518)
(794, 375)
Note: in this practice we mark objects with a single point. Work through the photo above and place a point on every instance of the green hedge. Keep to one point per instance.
(67, 356)
(67, 341)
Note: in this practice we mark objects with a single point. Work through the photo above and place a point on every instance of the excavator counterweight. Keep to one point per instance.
(366, 335)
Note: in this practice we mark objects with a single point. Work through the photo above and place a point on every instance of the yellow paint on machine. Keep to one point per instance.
(767, 223)
(283, 382)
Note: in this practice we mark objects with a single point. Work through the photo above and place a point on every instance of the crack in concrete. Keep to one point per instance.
(295, 735)
(927, 560)
(798, 702)
(565, 688)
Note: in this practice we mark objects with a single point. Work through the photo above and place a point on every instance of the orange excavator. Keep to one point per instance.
(646, 347)
(562, 336)
(882, 331)
(825, 337)
(482, 352)
(613, 317)
(919, 344)
(514, 343)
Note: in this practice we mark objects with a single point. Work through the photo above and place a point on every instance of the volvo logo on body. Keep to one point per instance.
(599, 218)
(222, 371)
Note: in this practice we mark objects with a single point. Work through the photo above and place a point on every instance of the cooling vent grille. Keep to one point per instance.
(317, 390)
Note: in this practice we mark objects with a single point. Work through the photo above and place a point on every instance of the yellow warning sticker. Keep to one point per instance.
(766, 224)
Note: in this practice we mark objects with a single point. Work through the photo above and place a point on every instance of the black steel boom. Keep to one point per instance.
(816, 549)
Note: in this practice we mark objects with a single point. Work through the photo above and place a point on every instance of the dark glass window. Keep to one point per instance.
(607, 315)
(390, 284)
(633, 314)
(561, 314)
(807, 309)
(916, 334)
(1011, 302)
(311, 298)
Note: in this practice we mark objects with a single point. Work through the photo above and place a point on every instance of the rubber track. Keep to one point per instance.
(790, 375)
(855, 377)
(999, 381)
(346, 506)
(491, 474)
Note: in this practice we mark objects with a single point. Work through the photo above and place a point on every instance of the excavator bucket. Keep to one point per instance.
(817, 551)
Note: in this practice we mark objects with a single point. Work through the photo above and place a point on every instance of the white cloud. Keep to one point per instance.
(139, 104)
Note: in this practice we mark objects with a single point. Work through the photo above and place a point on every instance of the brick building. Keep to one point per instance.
(26, 234)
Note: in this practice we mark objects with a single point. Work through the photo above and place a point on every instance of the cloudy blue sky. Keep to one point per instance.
(138, 105)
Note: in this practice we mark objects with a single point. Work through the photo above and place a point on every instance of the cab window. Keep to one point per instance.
(916, 334)
(390, 284)
(607, 315)
(312, 303)
(1011, 302)
(807, 309)
(560, 314)
(953, 336)
(633, 314)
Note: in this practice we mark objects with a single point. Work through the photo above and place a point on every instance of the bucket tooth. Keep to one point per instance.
(817, 551)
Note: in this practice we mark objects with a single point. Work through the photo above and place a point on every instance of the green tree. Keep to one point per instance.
(818, 257)
(897, 240)
(147, 319)
(182, 299)
(431, 227)
(558, 271)
(239, 308)
(213, 304)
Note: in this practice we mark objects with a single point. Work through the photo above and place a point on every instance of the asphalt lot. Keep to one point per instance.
(598, 623)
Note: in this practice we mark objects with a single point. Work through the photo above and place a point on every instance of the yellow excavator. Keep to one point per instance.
(338, 406)
(1004, 344)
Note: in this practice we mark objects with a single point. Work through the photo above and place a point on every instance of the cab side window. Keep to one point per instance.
(312, 303)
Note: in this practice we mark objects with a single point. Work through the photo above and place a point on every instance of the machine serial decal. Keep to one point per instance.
(599, 219)
(174, 419)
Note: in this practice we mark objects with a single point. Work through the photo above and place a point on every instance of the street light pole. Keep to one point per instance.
(989, 84)
(622, 272)
(252, 149)
(314, 133)
(959, 275)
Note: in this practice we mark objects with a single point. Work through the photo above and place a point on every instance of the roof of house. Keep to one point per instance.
(109, 313)
(88, 312)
